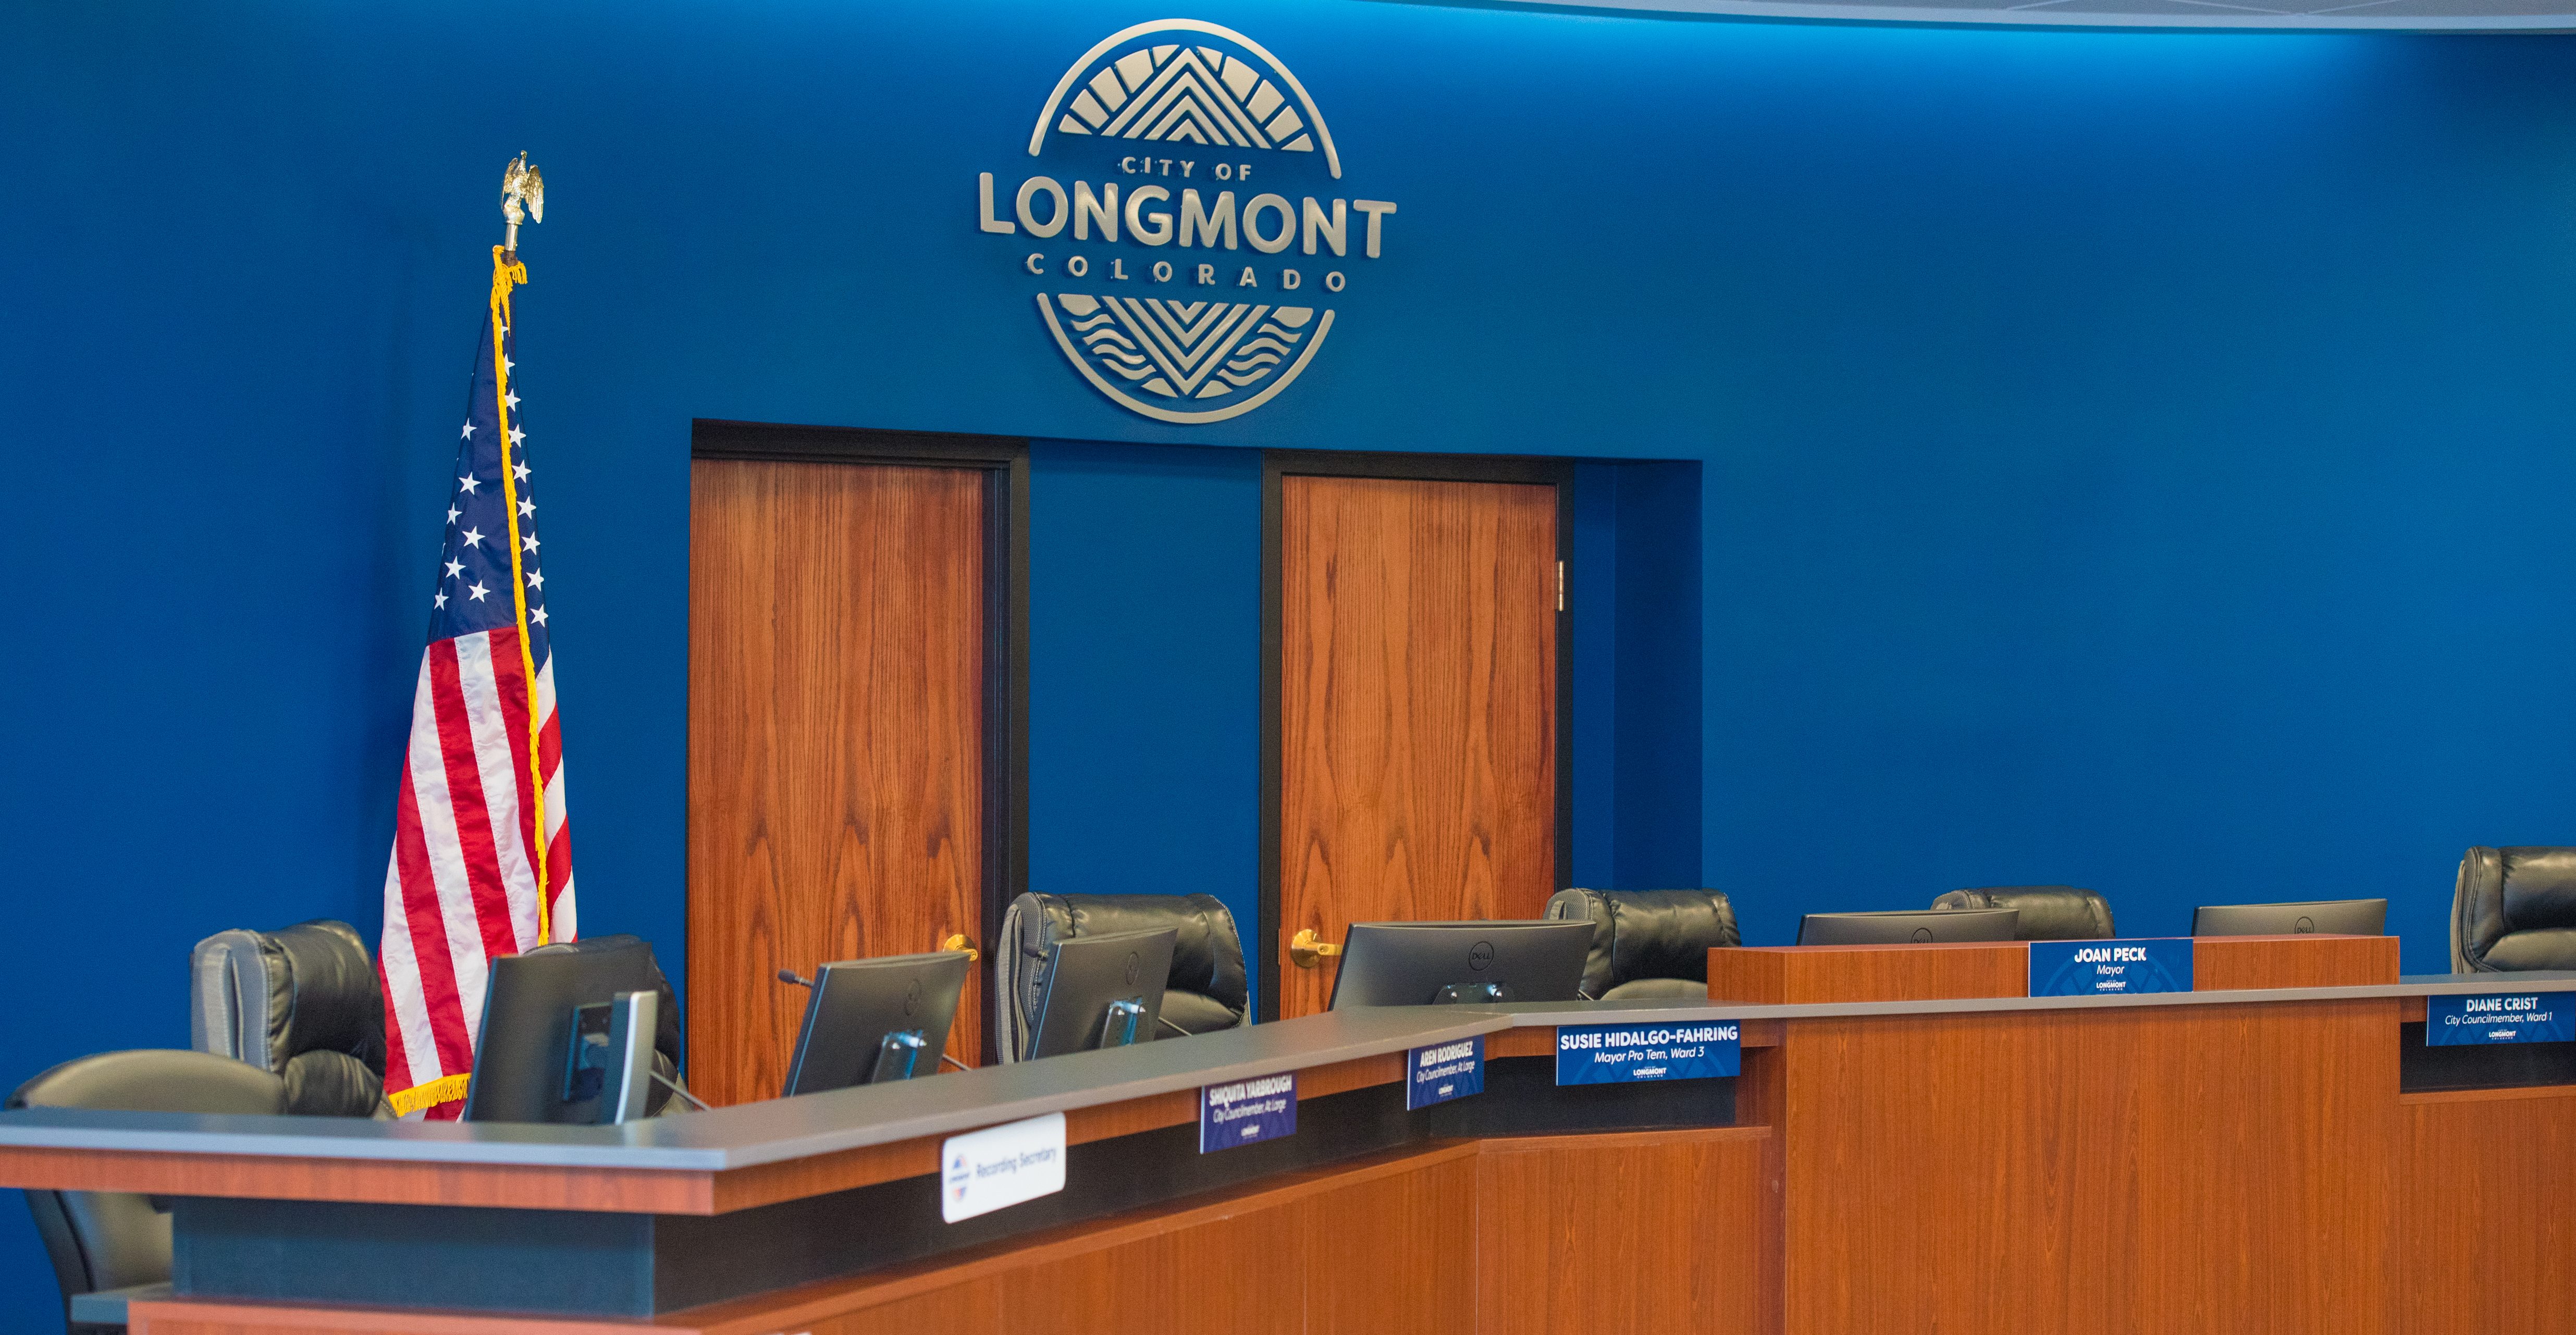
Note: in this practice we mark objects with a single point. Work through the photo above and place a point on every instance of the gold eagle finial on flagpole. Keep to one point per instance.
(523, 198)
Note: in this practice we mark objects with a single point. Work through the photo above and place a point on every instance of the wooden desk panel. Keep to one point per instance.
(1386, 1244)
(2231, 963)
(1798, 975)
(2150, 1171)
(1638, 1231)
(2488, 1240)
(528, 1186)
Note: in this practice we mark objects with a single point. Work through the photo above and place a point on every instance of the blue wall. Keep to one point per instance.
(2116, 458)
(1145, 672)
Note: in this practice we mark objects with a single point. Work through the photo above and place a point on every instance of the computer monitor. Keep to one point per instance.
(567, 1036)
(871, 1021)
(1908, 926)
(1103, 991)
(2339, 917)
(1472, 963)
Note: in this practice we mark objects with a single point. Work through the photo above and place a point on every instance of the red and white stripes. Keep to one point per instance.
(461, 890)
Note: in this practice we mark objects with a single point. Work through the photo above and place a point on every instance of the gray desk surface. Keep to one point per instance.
(784, 1129)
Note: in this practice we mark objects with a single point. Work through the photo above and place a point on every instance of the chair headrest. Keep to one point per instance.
(2048, 912)
(268, 997)
(155, 1080)
(2515, 908)
(2539, 887)
(1639, 934)
(1207, 954)
(338, 1004)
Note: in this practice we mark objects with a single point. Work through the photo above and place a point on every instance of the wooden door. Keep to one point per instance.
(836, 740)
(1418, 707)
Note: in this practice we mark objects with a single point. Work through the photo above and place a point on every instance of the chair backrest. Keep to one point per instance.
(666, 1020)
(2514, 909)
(303, 1003)
(102, 1240)
(1205, 990)
(1649, 942)
(2048, 912)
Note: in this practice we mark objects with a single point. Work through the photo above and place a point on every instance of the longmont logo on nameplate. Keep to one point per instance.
(1246, 1112)
(1619, 1054)
(1184, 232)
(983, 1171)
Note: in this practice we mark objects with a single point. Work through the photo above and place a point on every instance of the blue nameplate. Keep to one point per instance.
(2110, 968)
(1247, 1111)
(1619, 1054)
(1443, 1072)
(2499, 1017)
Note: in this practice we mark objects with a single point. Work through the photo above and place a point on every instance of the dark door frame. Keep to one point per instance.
(1005, 461)
(1277, 465)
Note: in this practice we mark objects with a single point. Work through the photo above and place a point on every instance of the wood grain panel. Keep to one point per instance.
(2485, 1230)
(1394, 1251)
(1417, 706)
(2159, 1171)
(836, 658)
(2229, 963)
(631, 1191)
(1800, 975)
(1385, 1243)
(1265, 1222)
(1645, 1231)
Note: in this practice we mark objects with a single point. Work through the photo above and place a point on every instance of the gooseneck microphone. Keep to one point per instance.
(791, 976)
(674, 1086)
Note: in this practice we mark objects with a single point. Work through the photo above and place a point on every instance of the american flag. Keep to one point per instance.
(470, 881)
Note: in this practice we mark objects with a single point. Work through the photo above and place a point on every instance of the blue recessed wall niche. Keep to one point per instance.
(2117, 459)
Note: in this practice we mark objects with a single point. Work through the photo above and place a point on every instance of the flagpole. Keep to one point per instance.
(520, 185)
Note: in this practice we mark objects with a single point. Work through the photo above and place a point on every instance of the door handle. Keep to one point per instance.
(959, 942)
(1304, 949)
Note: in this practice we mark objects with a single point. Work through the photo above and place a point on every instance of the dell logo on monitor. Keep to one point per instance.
(2304, 924)
(912, 997)
(1480, 954)
(1135, 965)
(1922, 933)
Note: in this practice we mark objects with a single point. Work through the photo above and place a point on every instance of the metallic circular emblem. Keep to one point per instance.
(912, 997)
(1922, 933)
(1135, 965)
(1480, 954)
(1181, 221)
(2304, 924)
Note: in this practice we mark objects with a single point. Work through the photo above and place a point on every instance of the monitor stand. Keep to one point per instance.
(1118, 1027)
(610, 1058)
(897, 1054)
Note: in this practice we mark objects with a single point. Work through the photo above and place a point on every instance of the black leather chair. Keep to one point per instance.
(2514, 909)
(303, 1003)
(2048, 912)
(101, 1241)
(666, 1024)
(1205, 991)
(1648, 943)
